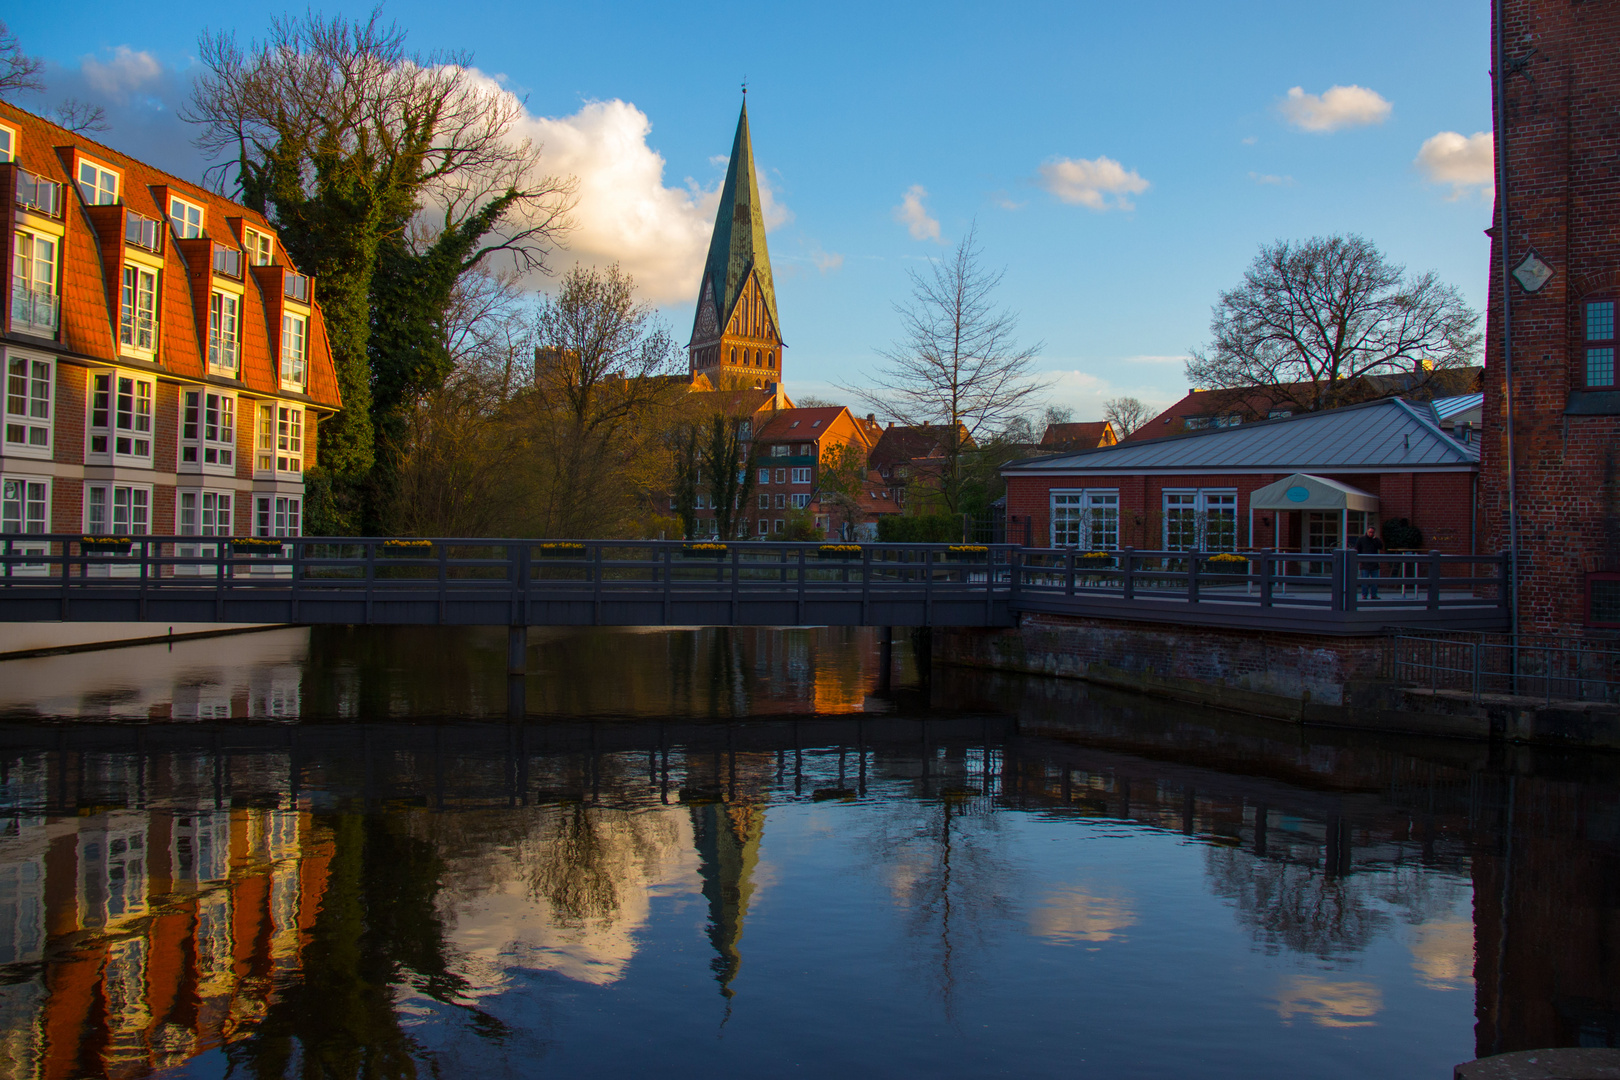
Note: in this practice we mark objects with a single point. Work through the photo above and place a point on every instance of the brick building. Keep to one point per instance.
(166, 364)
(1388, 459)
(789, 451)
(1557, 140)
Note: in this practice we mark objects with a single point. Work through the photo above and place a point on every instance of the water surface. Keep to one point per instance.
(330, 852)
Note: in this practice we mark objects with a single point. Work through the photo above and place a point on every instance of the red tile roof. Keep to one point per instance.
(1089, 433)
(88, 321)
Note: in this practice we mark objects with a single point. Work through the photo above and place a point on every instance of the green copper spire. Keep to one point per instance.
(738, 244)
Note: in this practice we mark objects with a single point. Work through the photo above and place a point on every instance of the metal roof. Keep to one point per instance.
(1389, 435)
(1448, 407)
(738, 243)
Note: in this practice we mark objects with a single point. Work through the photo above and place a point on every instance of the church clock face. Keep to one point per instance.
(707, 325)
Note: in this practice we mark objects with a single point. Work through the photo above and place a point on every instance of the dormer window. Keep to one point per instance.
(260, 248)
(187, 218)
(8, 143)
(294, 351)
(98, 185)
(137, 323)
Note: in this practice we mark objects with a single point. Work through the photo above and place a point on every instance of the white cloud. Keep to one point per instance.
(1467, 163)
(1268, 178)
(915, 217)
(825, 261)
(1250, 140)
(1339, 107)
(625, 212)
(125, 72)
(1100, 184)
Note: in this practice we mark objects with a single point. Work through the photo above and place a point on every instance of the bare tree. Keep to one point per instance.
(1329, 321)
(489, 329)
(958, 367)
(18, 70)
(80, 116)
(1126, 414)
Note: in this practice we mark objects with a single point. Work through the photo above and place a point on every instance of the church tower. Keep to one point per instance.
(736, 338)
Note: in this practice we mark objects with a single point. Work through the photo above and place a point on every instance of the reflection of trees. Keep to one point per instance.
(1295, 907)
(581, 859)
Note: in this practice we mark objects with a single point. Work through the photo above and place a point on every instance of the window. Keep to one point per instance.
(764, 502)
(1200, 520)
(137, 323)
(776, 526)
(33, 283)
(281, 439)
(28, 405)
(187, 218)
(8, 144)
(117, 510)
(1599, 344)
(779, 451)
(142, 231)
(208, 430)
(260, 248)
(278, 515)
(201, 513)
(1084, 519)
(781, 501)
(801, 501)
(801, 476)
(764, 527)
(764, 476)
(121, 416)
(1603, 599)
(224, 331)
(781, 476)
(98, 186)
(24, 509)
(293, 328)
(1279, 414)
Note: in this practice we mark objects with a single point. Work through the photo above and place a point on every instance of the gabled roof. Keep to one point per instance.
(899, 443)
(738, 243)
(796, 425)
(1390, 435)
(1087, 434)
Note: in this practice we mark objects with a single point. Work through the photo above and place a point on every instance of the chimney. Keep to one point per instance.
(871, 418)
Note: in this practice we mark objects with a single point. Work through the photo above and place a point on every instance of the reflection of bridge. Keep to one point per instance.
(518, 583)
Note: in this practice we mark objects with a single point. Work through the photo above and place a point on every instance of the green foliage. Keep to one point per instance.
(800, 525)
(920, 529)
(731, 478)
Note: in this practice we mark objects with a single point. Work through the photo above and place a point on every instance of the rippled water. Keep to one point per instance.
(745, 850)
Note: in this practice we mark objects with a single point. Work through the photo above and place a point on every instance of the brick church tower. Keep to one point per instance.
(1553, 450)
(736, 337)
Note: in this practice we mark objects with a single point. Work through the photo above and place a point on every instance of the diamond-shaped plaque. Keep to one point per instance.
(1532, 273)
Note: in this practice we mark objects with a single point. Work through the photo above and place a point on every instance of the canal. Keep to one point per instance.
(337, 852)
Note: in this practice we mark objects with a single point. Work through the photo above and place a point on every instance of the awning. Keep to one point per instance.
(1305, 492)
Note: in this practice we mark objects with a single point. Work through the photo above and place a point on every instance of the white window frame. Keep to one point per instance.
(779, 450)
(801, 501)
(294, 351)
(278, 515)
(188, 219)
(224, 332)
(764, 501)
(115, 509)
(98, 184)
(21, 513)
(764, 476)
(34, 271)
(10, 137)
(208, 430)
(121, 417)
(801, 474)
(1085, 518)
(1210, 514)
(138, 309)
(279, 440)
(202, 512)
(29, 404)
(261, 247)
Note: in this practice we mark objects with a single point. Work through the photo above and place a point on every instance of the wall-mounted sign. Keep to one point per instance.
(1297, 494)
(1532, 273)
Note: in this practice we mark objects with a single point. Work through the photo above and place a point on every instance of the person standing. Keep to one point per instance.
(1369, 544)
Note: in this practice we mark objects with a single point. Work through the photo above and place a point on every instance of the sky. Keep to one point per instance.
(1122, 162)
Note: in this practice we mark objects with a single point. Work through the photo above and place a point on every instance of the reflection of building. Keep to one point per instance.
(160, 933)
(727, 837)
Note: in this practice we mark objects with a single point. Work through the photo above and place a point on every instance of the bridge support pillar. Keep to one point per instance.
(517, 650)
(885, 658)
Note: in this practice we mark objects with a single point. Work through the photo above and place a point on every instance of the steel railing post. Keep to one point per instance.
(371, 575)
(1193, 559)
(1434, 581)
(1128, 581)
(1068, 562)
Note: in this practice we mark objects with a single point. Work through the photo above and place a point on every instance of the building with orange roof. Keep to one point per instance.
(788, 452)
(1062, 438)
(166, 363)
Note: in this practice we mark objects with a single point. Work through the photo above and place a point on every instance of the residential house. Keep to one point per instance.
(166, 363)
(1064, 438)
(1346, 468)
(788, 452)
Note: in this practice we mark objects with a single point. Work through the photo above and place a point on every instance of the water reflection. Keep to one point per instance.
(1039, 870)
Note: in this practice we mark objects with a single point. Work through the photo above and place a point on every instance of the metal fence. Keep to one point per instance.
(1545, 668)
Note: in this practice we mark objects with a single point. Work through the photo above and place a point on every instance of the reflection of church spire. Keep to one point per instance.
(727, 836)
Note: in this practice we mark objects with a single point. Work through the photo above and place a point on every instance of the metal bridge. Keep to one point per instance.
(520, 582)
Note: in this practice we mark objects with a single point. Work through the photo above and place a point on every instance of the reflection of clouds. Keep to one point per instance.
(1327, 1002)
(1443, 954)
(570, 895)
(1073, 914)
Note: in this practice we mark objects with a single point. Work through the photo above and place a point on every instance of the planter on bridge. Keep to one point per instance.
(971, 553)
(105, 545)
(407, 547)
(257, 545)
(1224, 568)
(561, 550)
(839, 551)
(704, 551)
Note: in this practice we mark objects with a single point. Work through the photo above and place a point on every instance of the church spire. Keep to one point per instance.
(736, 330)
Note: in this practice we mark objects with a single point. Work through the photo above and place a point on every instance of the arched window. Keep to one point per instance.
(1598, 326)
(733, 357)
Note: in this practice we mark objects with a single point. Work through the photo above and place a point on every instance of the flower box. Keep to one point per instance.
(704, 551)
(257, 545)
(967, 553)
(561, 550)
(839, 551)
(105, 545)
(402, 546)
(1095, 560)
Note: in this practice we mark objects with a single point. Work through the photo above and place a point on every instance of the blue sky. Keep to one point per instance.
(1122, 161)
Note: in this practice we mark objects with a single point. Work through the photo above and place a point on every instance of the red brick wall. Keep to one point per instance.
(1441, 504)
(72, 412)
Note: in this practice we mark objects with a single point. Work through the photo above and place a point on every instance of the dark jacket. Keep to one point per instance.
(1368, 545)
